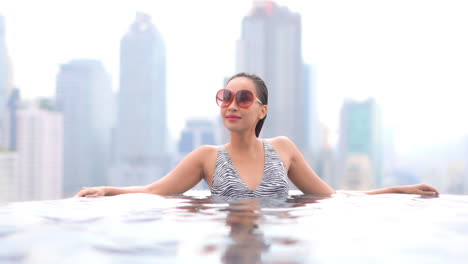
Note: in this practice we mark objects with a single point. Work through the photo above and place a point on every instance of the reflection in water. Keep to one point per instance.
(244, 217)
(139, 228)
(248, 241)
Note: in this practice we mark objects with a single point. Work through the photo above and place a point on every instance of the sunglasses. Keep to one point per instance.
(244, 98)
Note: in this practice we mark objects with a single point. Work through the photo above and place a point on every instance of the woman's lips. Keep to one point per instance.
(233, 117)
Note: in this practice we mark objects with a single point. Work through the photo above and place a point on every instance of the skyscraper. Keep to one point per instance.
(314, 129)
(360, 143)
(141, 132)
(325, 165)
(13, 102)
(270, 47)
(8, 176)
(84, 95)
(4, 85)
(197, 132)
(40, 152)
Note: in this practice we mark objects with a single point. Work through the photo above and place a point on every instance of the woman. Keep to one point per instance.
(247, 166)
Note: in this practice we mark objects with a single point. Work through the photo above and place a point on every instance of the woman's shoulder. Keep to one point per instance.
(285, 148)
(281, 141)
(205, 154)
(207, 149)
(282, 144)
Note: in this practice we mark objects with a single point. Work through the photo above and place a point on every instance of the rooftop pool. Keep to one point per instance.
(199, 228)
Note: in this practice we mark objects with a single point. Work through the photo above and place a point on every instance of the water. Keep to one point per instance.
(197, 228)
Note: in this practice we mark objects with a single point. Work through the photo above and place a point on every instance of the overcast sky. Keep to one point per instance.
(412, 56)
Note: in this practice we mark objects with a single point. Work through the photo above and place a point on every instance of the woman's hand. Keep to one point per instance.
(91, 192)
(423, 189)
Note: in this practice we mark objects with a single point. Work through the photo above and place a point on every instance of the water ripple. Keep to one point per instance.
(199, 228)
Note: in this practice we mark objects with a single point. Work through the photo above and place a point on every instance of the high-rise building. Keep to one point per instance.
(141, 134)
(197, 132)
(360, 143)
(325, 164)
(313, 127)
(270, 47)
(40, 152)
(5, 84)
(84, 95)
(13, 104)
(8, 176)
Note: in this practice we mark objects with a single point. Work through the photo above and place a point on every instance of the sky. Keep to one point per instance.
(410, 55)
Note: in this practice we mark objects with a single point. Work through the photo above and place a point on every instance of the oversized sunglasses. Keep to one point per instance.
(244, 98)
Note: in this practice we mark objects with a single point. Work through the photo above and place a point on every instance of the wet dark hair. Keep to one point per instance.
(261, 91)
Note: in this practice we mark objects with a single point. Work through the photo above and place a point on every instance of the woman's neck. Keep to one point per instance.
(243, 142)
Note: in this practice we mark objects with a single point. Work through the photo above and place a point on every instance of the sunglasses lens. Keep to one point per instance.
(223, 97)
(245, 98)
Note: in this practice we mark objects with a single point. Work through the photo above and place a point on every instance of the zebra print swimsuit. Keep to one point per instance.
(227, 182)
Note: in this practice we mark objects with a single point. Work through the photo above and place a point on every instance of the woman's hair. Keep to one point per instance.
(261, 91)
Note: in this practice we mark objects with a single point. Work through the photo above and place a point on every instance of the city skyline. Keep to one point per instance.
(120, 138)
(355, 47)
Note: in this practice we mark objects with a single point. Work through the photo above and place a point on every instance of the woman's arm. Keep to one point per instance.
(182, 178)
(300, 173)
(304, 177)
(422, 189)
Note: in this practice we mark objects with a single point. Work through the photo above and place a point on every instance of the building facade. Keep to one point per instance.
(8, 176)
(270, 47)
(84, 96)
(5, 85)
(197, 132)
(12, 107)
(360, 144)
(40, 152)
(141, 133)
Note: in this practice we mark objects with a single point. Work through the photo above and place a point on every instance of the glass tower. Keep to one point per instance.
(270, 47)
(4, 77)
(361, 134)
(141, 132)
(84, 95)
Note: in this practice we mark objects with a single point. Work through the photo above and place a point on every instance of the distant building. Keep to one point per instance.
(313, 127)
(389, 157)
(8, 176)
(325, 164)
(270, 47)
(13, 104)
(5, 86)
(84, 95)
(141, 134)
(40, 153)
(360, 135)
(197, 132)
(358, 173)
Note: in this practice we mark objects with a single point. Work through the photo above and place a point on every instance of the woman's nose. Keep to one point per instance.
(232, 106)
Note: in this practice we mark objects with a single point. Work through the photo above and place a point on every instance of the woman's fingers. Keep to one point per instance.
(86, 192)
(427, 190)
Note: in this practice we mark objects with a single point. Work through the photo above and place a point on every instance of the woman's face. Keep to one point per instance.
(238, 119)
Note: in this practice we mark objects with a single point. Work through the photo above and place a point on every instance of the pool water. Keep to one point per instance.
(199, 228)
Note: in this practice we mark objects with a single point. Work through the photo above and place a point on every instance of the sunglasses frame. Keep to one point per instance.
(234, 95)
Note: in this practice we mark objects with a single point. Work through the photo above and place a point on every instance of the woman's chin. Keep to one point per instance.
(233, 128)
